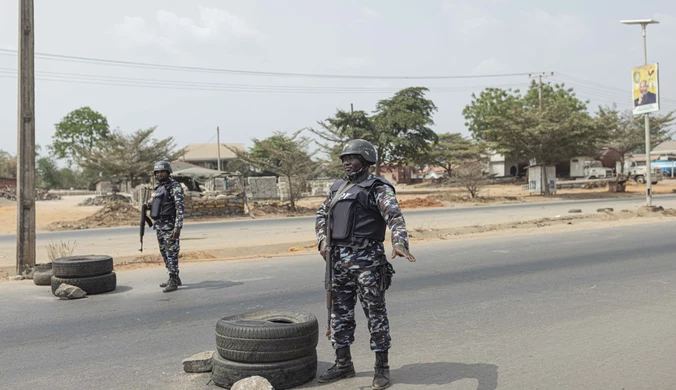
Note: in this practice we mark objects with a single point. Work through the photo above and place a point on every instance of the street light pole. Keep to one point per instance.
(649, 173)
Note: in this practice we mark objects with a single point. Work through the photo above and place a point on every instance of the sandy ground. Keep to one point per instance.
(67, 209)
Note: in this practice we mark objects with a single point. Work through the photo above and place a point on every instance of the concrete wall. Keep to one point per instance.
(261, 188)
(320, 187)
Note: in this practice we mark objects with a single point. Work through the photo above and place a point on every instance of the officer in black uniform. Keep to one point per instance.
(167, 209)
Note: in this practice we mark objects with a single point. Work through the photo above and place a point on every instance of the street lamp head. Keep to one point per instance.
(639, 21)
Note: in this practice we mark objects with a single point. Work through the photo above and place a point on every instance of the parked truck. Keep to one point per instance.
(636, 170)
(588, 168)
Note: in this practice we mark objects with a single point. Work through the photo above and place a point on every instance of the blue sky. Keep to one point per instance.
(582, 42)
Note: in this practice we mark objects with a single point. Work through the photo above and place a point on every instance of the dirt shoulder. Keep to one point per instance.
(423, 236)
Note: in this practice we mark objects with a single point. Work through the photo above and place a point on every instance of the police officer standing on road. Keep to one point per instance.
(166, 210)
(365, 205)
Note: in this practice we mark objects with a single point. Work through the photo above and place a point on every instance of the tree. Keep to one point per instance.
(403, 124)
(336, 131)
(7, 165)
(561, 128)
(286, 156)
(451, 150)
(470, 173)
(399, 129)
(129, 156)
(82, 130)
(626, 132)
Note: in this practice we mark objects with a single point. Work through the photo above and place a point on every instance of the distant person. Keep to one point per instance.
(166, 209)
(359, 208)
(645, 97)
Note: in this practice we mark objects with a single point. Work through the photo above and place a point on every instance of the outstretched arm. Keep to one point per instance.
(389, 209)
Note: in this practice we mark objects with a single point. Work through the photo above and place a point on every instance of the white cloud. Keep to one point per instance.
(562, 27)
(172, 32)
(467, 19)
(489, 66)
(356, 62)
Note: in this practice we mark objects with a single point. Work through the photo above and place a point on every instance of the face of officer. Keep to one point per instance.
(161, 175)
(352, 163)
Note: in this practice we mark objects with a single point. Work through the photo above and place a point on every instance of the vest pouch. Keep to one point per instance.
(342, 217)
(156, 205)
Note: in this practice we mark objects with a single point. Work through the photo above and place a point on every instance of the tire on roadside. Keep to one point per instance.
(267, 336)
(82, 266)
(281, 375)
(91, 285)
(43, 274)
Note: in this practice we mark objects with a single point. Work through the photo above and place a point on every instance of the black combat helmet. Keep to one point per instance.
(162, 166)
(362, 148)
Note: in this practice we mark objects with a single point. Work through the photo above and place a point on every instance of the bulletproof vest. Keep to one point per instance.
(162, 206)
(353, 217)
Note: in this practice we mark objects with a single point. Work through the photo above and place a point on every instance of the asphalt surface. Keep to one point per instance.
(592, 309)
(248, 238)
(223, 227)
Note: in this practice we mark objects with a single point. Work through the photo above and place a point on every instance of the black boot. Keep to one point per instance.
(381, 377)
(172, 284)
(342, 369)
(165, 284)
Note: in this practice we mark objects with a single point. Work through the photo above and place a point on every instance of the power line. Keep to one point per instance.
(135, 64)
(209, 86)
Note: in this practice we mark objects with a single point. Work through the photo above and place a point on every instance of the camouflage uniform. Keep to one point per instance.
(169, 248)
(357, 273)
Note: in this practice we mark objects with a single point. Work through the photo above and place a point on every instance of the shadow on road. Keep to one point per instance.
(119, 290)
(446, 373)
(210, 285)
(428, 374)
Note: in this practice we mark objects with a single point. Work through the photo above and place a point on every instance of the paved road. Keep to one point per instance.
(591, 309)
(243, 235)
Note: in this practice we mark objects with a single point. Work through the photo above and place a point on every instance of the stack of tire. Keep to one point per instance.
(278, 345)
(92, 273)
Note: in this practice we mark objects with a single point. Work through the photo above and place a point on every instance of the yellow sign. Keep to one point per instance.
(645, 89)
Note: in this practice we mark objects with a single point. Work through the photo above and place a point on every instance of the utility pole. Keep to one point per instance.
(648, 162)
(25, 199)
(218, 146)
(539, 77)
(351, 108)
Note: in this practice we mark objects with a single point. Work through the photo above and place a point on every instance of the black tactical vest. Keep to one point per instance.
(162, 206)
(354, 218)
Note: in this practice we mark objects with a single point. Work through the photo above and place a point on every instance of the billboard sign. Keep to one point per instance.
(645, 89)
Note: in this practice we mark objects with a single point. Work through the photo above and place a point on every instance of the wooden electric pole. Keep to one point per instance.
(25, 169)
(540, 76)
(218, 146)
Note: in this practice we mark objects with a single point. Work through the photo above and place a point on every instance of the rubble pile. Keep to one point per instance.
(419, 202)
(209, 204)
(111, 215)
(10, 193)
(101, 200)
(279, 208)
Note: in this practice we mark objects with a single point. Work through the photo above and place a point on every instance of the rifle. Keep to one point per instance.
(145, 192)
(328, 276)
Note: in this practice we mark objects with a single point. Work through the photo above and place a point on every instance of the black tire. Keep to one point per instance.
(281, 375)
(82, 266)
(267, 336)
(91, 285)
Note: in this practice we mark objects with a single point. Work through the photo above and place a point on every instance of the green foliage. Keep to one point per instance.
(81, 130)
(129, 156)
(399, 129)
(286, 156)
(453, 149)
(7, 165)
(517, 125)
